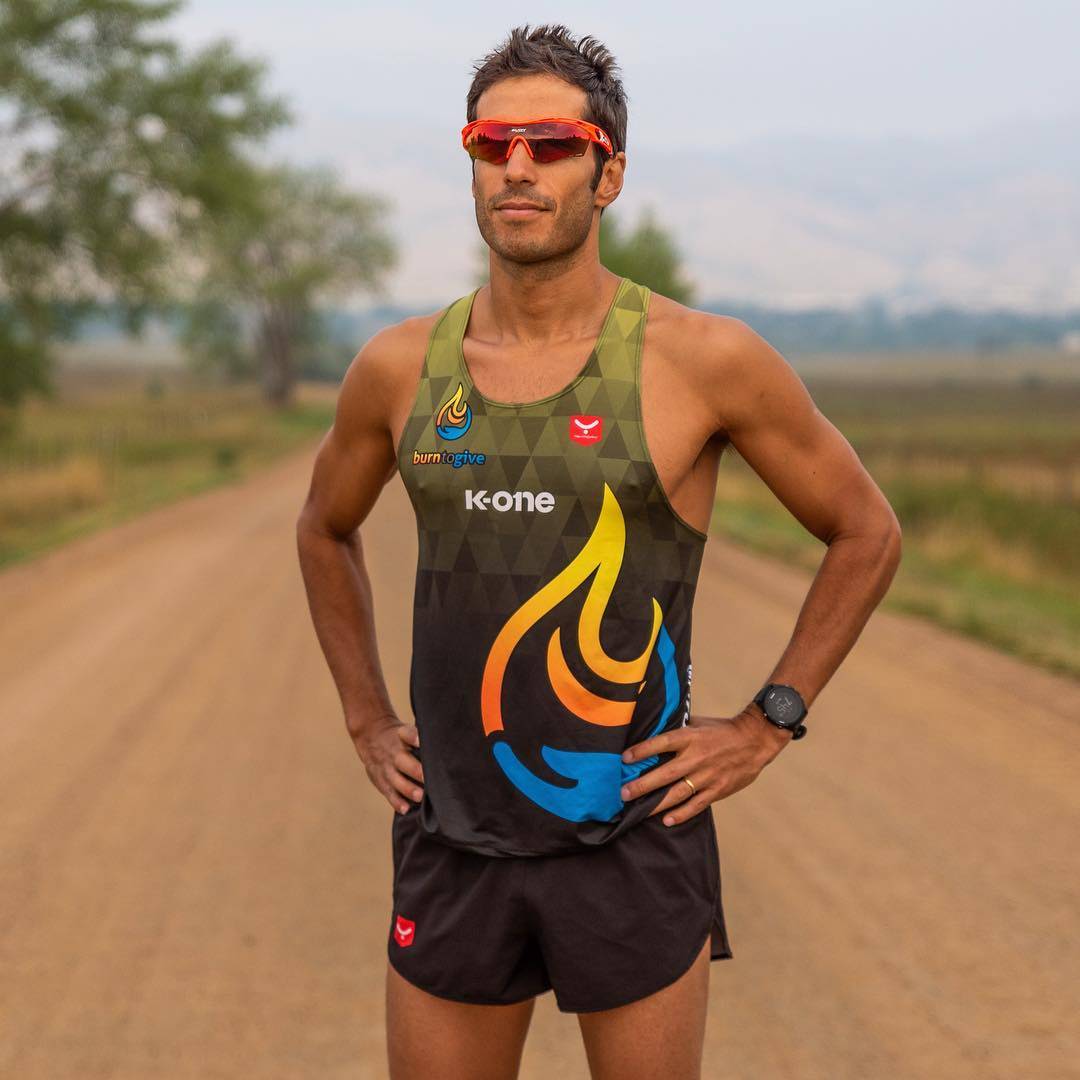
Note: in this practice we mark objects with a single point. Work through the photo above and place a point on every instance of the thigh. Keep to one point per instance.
(659, 1035)
(434, 1038)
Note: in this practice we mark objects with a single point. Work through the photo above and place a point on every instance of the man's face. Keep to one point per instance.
(559, 189)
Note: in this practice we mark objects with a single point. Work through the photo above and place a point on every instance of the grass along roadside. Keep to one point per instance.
(985, 479)
(112, 446)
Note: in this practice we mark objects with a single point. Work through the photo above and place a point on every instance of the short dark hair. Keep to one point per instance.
(552, 49)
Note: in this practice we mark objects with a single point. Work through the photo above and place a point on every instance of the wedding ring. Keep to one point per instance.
(691, 783)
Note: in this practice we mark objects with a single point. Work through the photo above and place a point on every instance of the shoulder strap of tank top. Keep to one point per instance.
(616, 396)
(443, 359)
(620, 342)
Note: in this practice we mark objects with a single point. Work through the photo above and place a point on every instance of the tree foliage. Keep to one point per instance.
(115, 142)
(647, 255)
(297, 241)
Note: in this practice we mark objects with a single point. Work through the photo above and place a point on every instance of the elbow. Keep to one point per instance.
(313, 530)
(302, 525)
(307, 529)
(878, 534)
(302, 535)
(890, 542)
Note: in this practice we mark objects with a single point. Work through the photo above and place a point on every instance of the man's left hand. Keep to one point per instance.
(721, 755)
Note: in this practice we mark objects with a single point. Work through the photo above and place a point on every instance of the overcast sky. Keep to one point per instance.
(706, 75)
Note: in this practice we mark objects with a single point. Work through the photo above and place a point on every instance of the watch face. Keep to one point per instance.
(783, 704)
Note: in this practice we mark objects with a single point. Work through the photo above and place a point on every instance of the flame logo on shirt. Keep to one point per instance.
(599, 775)
(455, 416)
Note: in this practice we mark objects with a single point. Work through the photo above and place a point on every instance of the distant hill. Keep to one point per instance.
(983, 221)
(870, 327)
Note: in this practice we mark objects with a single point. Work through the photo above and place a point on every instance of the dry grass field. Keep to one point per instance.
(117, 442)
(982, 465)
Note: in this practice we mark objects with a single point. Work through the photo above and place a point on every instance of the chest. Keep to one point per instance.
(677, 433)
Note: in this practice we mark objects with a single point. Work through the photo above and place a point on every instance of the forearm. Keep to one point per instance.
(854, 575)
(342, 610)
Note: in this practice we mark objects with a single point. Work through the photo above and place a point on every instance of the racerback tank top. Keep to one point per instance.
(554, 591)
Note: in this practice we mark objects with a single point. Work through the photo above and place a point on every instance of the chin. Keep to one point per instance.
(519, 250)
(524, 258)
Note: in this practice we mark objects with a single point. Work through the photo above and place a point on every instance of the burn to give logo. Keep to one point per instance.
(454, 417)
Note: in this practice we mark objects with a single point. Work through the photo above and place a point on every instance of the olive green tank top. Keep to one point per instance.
(554, 592)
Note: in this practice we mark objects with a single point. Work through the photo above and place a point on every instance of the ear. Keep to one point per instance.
(611, 180)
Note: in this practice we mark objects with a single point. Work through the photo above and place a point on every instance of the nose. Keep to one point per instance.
(513, 146)
(519, 159)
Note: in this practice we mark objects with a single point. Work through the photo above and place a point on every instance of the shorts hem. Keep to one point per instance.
(713, 923)
(462, 999)
(680, 971)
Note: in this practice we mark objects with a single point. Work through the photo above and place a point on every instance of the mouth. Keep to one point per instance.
(515, 210)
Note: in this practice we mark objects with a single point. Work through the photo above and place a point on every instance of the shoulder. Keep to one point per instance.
(385, 370)
(722, 357)
(392, 353)
(716, 338)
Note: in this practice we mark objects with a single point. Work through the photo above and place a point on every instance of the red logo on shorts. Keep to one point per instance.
(586, 429)
(404, 930)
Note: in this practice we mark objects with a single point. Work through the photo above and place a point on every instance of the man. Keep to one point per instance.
(553, 825)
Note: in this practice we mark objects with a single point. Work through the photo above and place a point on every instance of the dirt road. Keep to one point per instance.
(195, 871)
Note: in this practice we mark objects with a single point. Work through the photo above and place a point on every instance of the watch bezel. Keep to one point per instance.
(762, 696)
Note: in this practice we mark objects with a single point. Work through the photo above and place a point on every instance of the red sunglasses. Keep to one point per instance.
(550, 139)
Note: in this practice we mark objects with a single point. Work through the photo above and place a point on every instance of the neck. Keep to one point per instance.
(540, 304)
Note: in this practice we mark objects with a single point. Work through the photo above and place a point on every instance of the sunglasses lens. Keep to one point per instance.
(558, 140)
(487, 147)
(552, 149)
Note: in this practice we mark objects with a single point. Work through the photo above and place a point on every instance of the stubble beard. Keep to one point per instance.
(514, 244)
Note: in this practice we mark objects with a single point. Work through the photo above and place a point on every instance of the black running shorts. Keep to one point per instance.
(601, 927)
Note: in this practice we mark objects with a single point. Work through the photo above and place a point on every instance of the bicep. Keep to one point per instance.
(774, 424)
(356, 456)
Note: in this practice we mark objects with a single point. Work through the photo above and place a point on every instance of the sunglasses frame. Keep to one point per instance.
(594, 133)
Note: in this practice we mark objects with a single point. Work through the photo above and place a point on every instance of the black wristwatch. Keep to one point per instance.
(783, 706)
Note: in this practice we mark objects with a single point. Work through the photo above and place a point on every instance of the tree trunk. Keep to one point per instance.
(276, 361)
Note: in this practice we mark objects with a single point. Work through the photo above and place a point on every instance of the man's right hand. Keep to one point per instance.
(391, 766)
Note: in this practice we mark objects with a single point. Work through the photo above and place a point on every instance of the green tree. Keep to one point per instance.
(115, 143)
(647, 255)
(212, 335)
(296, 241)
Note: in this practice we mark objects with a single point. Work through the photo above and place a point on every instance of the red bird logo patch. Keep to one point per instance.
(404, 930)
(586, 429)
